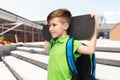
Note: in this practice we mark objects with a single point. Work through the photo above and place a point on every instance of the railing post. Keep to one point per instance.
(33, 34)
(25, 33)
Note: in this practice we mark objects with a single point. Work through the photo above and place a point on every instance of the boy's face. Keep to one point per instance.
(58, 27)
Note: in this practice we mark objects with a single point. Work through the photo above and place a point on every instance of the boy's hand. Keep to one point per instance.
(94, 15)
(45, 23)
(46, 44)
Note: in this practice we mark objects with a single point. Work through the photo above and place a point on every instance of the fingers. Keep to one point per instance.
(93, 15)
(45, 23)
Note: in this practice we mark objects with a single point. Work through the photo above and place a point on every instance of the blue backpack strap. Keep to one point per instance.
(94, 65)
(70, 57)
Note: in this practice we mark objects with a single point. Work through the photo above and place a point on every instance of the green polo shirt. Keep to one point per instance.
(57, 66)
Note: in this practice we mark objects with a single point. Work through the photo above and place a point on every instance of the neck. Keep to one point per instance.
(62, 35)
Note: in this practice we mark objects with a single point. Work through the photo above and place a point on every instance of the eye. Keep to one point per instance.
(53, 25)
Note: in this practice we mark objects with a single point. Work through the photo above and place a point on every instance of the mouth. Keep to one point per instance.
(53, 34)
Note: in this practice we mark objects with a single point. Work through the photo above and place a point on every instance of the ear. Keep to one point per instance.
(66, 25)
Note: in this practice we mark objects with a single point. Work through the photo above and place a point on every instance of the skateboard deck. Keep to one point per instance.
(81, 28)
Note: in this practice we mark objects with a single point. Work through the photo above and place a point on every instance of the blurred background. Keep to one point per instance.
(21, 41)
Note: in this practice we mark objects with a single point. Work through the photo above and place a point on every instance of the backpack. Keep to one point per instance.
(85, 65)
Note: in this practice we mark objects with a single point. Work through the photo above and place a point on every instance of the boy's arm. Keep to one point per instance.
(46, 44)
(92, 41)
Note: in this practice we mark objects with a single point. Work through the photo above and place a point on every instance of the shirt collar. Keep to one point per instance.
(61, 40)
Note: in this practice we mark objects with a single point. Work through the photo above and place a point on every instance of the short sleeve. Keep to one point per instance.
(77, 44)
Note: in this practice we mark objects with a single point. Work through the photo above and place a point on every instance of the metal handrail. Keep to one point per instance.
(17, 24)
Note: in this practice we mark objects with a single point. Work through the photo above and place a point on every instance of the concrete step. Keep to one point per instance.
(34, 50)
(108, 58)
(101, 69)
(108, 55)
(108, 49)
(106, 72)
(106, 45)
(105, 60)
(5, 73)
(33, 44)
(25, 70)
(30, 49)
(36, 59)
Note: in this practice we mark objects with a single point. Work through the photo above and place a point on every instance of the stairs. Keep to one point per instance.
(5, 73)
(28, 61)
(24, 70)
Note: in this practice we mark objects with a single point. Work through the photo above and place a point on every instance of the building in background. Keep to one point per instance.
(109, 31)
(15, 28)
(115, 33)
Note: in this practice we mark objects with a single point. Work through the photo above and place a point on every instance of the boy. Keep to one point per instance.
(59, 21)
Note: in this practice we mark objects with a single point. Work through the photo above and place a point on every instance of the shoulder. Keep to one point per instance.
(76, 44)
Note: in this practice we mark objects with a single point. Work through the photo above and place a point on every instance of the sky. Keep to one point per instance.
(39, 9)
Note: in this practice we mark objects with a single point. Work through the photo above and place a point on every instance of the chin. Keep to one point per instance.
(54, 36)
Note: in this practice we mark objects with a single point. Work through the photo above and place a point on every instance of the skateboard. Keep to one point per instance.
(81, 28)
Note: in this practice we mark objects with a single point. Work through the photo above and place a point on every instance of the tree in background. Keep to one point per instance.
(102, 20)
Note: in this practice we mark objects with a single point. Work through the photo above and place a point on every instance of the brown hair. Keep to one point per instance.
(63, 13)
